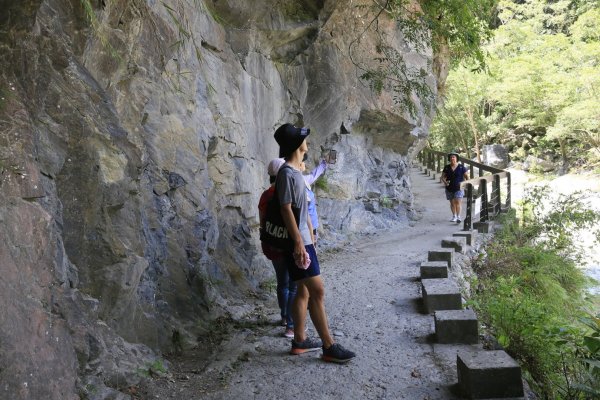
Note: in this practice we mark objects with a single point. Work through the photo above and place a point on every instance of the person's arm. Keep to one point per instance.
(310, 228)
(316, 173)
(444, 180)
(294, 232)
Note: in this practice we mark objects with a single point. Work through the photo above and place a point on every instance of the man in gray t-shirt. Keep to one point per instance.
(292, 189)
(302, 262)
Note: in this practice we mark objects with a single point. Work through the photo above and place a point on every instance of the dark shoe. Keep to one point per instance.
(305, 346)
(337, 354)
(458, 220)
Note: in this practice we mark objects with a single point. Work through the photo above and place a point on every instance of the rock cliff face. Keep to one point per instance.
(135, 136)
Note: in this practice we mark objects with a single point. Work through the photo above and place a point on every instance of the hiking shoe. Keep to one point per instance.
(337, 354)
(305, 346)
(289, 333)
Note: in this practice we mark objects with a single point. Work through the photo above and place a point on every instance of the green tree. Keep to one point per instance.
(541, 91)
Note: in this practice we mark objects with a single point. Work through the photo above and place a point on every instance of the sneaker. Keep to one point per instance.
(305, 346)
(458, 219)
(453, 218)
(289, 333)
(337, 354)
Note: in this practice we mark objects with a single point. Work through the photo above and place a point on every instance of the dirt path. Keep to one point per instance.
(373, 307)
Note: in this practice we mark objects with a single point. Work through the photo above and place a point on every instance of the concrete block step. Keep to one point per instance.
(484, 374)
(459, 244)
(456, 326)
(441, 254)
(434, 269)
(484, 227)
(441, 294)
(469, 236)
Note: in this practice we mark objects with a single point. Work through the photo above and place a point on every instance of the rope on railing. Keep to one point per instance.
(482, 205)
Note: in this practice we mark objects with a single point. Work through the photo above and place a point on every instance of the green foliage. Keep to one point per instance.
(532, 295)
(551, 219)
(386, 202)
(97, 29)
(460, 26)
(322, 183)
(154, 368)
(541, 94)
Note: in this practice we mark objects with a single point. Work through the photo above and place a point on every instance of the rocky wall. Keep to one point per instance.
(134, 139)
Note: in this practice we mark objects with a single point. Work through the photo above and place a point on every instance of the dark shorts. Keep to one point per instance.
(455, 195)
(313, 269)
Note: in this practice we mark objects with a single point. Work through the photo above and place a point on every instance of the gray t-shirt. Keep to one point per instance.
(291, 188)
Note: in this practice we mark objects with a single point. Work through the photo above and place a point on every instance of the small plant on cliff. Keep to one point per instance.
(322, 183)
(97, 29)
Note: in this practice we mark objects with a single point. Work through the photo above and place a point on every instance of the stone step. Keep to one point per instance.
(456, 326)
(468, 235)
(484, 374)
(459, 244)
(434, 269)
(441, 294)
(484, 227)
(441, 254)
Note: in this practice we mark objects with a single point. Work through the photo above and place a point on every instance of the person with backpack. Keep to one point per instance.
(286, 288)
(452, 176)
(301, 258)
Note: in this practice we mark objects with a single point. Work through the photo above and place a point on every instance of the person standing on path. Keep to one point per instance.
(312, 200)
(286, 288)
(452, 176)
(302, 262)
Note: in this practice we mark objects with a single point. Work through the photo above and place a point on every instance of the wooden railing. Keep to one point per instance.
(483, 204)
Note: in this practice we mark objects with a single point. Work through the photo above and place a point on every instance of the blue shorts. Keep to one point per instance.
(459, 194)
(313, 269)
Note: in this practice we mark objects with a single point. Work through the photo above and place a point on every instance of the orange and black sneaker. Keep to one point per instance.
(337, 354)
(305, 346)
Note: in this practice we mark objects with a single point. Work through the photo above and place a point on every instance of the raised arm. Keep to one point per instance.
(316, 173)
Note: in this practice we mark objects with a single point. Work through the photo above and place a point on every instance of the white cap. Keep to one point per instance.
(274, 166)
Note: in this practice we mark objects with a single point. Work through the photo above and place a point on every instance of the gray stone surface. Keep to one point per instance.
(488, 374)
(469, 236)
(495, 155)
(441, 294)
(459, 244)
(441, 255)
(434, 269)
(484, 227)
(456, 326)
(134, 152)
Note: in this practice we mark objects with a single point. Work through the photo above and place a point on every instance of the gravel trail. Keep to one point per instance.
(373, 304)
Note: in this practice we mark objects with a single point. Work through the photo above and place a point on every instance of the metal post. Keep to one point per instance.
(484, 200)
(508, 190)
(468, 218)
(498, 202)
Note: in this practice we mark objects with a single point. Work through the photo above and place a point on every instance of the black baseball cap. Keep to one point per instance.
(289, 138)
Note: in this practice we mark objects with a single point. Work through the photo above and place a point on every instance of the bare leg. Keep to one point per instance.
(456, 206)
(316, 304)
(299, 311)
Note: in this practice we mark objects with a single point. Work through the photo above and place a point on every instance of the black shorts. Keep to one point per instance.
(297, 273)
